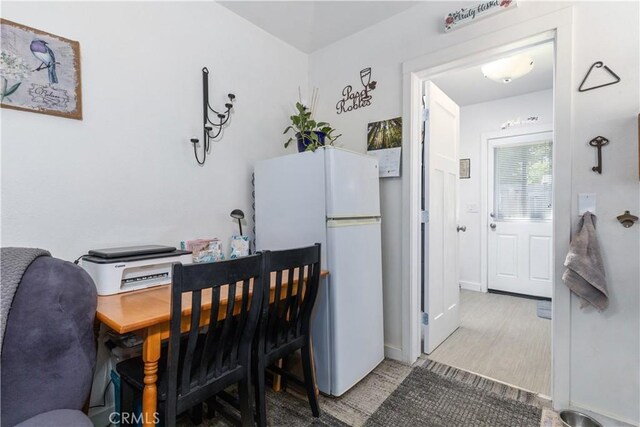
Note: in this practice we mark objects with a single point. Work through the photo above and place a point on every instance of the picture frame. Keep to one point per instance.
(40, 72)
(465, 168)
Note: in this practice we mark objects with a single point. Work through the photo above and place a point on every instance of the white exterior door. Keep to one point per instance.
(520, 258)
(441, 289)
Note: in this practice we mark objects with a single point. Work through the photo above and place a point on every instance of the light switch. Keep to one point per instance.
(586, 202)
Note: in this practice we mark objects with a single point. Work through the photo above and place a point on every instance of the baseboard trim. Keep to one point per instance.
(471, 286)
(394, 353)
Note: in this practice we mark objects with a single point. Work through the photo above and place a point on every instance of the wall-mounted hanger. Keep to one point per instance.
(598, 64)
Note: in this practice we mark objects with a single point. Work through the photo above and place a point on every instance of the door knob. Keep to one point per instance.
(493, 226)
(461, 228)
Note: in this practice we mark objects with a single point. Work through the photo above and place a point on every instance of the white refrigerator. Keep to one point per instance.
(331, 196)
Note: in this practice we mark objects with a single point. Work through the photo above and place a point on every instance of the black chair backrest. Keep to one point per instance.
(285, 319)
(226, 346)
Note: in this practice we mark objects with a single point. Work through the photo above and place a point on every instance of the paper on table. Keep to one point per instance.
(388, 161)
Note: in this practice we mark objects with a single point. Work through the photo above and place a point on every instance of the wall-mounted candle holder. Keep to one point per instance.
(627, 220)
(211, 130)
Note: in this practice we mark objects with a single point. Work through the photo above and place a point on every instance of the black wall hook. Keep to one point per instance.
(598, 142)
(598, 64)
(208, 126)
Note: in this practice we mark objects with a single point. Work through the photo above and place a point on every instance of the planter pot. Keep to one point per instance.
(303, 143)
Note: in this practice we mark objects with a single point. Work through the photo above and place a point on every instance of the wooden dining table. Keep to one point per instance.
(147, 313)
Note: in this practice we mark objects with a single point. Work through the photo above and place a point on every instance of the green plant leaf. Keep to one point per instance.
(12, 89)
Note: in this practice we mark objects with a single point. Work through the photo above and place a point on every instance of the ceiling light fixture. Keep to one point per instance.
(507, 69)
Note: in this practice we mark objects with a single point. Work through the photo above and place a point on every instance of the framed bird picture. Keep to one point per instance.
(39, 72)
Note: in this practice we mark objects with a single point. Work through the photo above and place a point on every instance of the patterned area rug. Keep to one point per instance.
(426, 398)
(283, 409)
(426, 394)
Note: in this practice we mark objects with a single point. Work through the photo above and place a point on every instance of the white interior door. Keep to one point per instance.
(441, 289)
(520, 258)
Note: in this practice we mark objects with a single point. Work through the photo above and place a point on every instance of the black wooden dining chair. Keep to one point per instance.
(202, 363)
(285, 323)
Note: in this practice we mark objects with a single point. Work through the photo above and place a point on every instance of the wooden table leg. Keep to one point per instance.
(150, 357)
(277, 379)
(313, 368)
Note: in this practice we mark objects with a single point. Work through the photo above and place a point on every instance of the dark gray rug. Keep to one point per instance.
(283, 409)
(426, 398)
(544, 309)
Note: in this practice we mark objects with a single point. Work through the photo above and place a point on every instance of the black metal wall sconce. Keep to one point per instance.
(598, 142)
(211, 130)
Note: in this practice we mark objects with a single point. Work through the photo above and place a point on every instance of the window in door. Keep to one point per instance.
(522, 179)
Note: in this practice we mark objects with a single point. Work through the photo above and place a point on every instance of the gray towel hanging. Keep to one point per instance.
(585, 270)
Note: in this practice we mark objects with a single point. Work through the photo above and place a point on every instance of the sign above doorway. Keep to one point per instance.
(468, 15)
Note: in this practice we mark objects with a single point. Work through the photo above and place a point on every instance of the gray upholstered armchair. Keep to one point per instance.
(48, 347)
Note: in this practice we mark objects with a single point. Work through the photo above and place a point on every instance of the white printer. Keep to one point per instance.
(116, 270)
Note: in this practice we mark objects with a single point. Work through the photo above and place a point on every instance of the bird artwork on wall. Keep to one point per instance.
(43, 53)
(39, 72)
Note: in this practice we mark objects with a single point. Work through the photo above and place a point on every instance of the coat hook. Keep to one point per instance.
(598, 142)
(627, 220)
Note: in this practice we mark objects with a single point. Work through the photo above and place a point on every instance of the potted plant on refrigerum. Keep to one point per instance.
(308, 133)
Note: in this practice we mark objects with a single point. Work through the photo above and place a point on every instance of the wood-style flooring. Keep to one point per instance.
(502, 338)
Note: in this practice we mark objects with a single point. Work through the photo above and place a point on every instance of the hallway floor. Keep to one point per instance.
(502, 338)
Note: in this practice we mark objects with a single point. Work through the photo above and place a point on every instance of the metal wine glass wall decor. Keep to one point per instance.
(354, 99)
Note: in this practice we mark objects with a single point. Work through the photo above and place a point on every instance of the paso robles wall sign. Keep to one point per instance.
(354, 98)
(468, 15)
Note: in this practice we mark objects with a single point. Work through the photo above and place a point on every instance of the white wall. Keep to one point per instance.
(475, 120)
(126, 174)
(605, 348)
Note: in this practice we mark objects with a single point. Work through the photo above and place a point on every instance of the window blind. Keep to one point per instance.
(522, 182)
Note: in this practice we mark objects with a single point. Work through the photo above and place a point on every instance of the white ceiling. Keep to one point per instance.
(469, 86)
(312, 25)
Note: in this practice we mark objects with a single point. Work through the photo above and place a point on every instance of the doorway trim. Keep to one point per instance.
(556, 26)
(484, 189)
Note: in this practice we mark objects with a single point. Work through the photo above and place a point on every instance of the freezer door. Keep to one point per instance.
(290, 204)
(353, 188)
(355, 265)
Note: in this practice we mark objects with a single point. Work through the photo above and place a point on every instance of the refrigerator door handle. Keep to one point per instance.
(351, 222)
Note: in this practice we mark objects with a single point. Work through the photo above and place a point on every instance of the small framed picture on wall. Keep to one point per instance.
(465, 168)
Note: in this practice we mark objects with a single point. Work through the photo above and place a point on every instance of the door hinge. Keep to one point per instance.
(425, 318)
(424, 217)
(425, 115)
